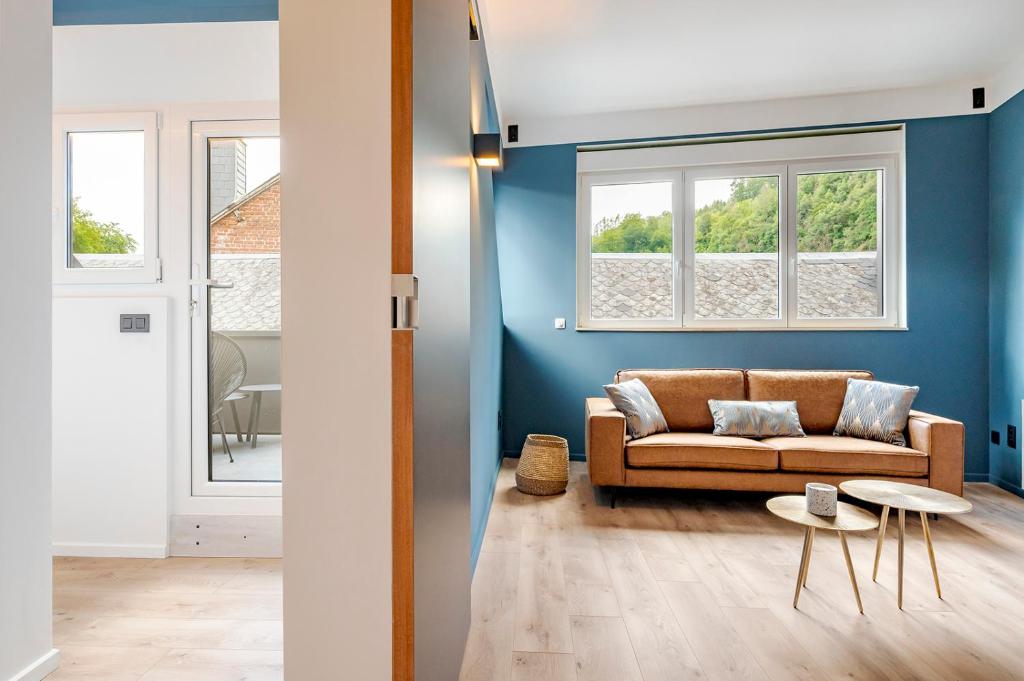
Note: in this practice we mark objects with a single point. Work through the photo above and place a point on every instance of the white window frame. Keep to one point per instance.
(584, 244)
(786, 157)
(63, 125)
(889, 242)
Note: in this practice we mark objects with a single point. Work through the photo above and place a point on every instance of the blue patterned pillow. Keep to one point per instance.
(755, 419)
(643, 415)
(878, 411)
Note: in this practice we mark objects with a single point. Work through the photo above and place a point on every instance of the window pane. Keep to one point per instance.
(631, 251)
(108, 196)
(736, 244)
(244, 247)
(839, 268)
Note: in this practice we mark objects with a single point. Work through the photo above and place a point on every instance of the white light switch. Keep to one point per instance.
(560, 322)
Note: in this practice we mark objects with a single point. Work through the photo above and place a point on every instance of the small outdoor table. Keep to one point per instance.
(848, 518)
(256, 407)
(905, 497)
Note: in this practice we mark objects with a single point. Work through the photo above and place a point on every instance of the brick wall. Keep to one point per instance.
(254, 227)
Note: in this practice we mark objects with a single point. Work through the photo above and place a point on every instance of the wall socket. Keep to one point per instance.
(1011, 436)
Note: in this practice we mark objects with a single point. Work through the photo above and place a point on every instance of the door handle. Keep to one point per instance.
(211, 283)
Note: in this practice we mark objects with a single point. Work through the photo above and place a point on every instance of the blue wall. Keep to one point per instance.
(548, 373)
(1006, 310)
(74, 12)
(486, 329)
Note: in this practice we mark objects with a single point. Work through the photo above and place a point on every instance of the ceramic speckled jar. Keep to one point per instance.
(821, 499)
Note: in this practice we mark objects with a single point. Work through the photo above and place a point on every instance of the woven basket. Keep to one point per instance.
(544, 465)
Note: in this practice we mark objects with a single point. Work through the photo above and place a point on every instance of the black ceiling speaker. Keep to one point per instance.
(978, 94)
(513, 133)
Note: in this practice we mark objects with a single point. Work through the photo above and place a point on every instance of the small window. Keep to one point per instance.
(105, 195)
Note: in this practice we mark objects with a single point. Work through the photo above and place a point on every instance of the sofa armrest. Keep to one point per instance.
(942, 440)
(606, 442)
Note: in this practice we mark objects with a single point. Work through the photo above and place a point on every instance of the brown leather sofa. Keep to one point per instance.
(691, 457)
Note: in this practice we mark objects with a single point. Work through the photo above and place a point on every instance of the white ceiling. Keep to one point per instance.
(552, 58)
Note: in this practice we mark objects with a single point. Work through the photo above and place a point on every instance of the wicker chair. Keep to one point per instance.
(227, 374)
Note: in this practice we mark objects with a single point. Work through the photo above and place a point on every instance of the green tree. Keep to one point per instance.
(838, 211)
(835, 212)
(89, 235)
(635, 233)
(747, 223)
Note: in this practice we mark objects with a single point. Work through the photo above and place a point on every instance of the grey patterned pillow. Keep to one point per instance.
(643, 415)
(755, 419)
(873, 410)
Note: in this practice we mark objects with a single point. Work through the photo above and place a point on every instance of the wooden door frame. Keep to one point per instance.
(402, 590)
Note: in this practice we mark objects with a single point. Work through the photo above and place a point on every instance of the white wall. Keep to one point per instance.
(215, 71)
(335, 122)
(104, 448)
(139, 64)
(26, 649)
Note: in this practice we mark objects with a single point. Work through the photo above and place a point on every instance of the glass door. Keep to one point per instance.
(235, 308)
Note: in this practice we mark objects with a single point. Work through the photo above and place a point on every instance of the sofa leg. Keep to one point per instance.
(613, 493)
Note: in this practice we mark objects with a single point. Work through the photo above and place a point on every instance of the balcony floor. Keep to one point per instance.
(261, 464)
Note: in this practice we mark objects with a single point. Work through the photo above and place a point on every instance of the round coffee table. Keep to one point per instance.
(905, 497)
(848, 518)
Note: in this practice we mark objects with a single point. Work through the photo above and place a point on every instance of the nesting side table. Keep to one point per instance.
(905, 497)
(848, 518)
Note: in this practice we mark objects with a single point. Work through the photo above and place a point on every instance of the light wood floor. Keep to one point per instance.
(180, 619)
(696, 585)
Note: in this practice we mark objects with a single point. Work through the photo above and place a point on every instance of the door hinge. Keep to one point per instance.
(405, 293)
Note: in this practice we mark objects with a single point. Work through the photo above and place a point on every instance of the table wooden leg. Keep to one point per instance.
(849, 568)
(881, 539)
(253, 406)
(931, 552)
(899, 571)
(810, 548)
(804, 557)
(258, 403)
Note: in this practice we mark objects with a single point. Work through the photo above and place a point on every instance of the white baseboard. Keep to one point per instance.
(85, 550)
(39, 669)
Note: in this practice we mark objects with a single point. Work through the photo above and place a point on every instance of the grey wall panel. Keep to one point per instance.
(441, 253)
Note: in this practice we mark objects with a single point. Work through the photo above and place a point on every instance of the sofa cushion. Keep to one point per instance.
(875, 410)
(701, 450)
(643, 415)
(847, 455)
(683, 394)
(818, 394)
(755, 419)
